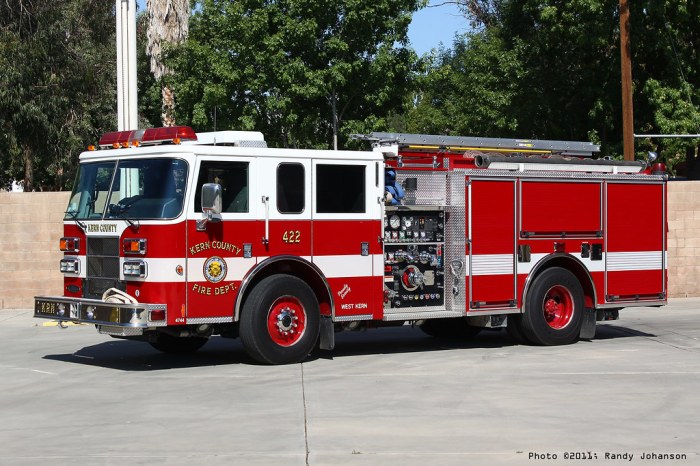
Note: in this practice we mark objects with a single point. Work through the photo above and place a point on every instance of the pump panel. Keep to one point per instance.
(413, 258)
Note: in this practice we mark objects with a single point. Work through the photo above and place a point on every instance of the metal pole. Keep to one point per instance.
(690, 136)
(121, 124)
(127, 92)
(626, 63)
(133, 84)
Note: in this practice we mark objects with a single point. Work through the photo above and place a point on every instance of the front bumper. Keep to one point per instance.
(95, 311)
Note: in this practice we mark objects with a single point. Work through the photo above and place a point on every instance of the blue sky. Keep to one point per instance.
(430, 26)
(434, 25)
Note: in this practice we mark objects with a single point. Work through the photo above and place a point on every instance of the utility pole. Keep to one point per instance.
(127, 103)
(626, 63)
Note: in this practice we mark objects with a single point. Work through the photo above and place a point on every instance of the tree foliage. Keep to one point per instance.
(301, 71)
(57, 87)
(551, 69)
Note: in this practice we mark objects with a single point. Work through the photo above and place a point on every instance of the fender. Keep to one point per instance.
(277, 264)
(579, 269)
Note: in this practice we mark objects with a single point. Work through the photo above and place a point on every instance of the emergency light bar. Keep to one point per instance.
(150, 136)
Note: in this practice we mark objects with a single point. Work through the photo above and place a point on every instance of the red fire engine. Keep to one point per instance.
(173, 236)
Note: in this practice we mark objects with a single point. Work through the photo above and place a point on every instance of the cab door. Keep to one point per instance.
(223, 251)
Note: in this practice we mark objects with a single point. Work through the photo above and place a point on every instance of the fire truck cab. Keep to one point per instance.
(173, 236)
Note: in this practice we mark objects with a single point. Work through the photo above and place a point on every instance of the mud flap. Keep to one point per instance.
(328, 333)
(588, 324)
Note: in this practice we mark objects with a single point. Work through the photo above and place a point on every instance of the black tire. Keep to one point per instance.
(514, 328)
(177, 345)
(553, 308)
(276, 308)
(457, 328)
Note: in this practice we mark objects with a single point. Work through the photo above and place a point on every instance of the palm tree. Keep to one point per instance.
(168, 22)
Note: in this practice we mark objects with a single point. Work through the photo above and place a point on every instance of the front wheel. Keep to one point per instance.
(280, 320)
(553, 308)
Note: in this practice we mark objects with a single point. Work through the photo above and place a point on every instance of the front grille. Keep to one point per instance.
(103, 247)
(102, 267)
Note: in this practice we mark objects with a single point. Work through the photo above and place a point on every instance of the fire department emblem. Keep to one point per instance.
(215, 269)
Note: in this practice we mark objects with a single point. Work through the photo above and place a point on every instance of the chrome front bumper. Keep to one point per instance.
(95, 311)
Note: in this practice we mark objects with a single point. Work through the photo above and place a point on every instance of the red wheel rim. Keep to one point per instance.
(286, 321)
(558, 307)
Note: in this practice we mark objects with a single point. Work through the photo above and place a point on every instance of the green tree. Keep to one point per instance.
(57, 87)
(551, 69)
(469, 89)
(305, 72)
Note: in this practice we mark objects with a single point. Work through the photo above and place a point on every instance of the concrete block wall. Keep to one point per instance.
(30, 227)
(32, 223)
(684, 239)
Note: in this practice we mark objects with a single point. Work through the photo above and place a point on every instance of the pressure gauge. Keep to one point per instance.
(394, 221)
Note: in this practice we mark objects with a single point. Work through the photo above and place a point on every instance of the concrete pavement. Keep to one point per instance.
(394, 395)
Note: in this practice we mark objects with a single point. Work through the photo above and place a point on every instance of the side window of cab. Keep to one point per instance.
(234, 180)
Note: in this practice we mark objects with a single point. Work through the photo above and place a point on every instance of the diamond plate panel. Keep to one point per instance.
(431, 190)
(422, 314)
(119, 331)
(455, 242)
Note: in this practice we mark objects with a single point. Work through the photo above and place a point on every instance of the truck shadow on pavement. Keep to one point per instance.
(134, 356)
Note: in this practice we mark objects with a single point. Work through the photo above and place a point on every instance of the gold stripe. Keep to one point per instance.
(528, 151)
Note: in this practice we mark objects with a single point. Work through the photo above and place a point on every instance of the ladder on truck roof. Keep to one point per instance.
(504, 154)
(464, 143)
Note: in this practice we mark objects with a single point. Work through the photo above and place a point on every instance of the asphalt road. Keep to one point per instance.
(388, 396)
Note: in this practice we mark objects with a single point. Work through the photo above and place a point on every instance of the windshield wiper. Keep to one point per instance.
(120, 211)
(74, 216)
(133, 224)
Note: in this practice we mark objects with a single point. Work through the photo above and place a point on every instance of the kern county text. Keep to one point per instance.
(654, 457)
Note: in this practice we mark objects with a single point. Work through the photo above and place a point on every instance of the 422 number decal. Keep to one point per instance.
(291, 236)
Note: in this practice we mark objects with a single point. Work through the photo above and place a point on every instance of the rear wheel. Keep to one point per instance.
(280, 320)
(553, 308)
(450, 328)
(177, 345)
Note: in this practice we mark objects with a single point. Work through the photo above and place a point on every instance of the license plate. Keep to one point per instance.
(45, 308)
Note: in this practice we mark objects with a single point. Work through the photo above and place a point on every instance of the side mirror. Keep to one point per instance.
(211, 203)
(211, 199)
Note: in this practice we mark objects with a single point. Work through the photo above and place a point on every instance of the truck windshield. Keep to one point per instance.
(129, 189)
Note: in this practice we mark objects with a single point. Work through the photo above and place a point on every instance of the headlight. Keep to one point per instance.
(135, 269)
(70, 265)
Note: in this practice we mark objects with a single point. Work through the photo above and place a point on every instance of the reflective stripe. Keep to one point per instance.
(591, 265)
(646, 260)
(160, 270)
(344, 266)
(492, 264)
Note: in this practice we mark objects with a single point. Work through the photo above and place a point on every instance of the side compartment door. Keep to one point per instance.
(635, 258)
(347, 227)
(219, 256)
(491, 248)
